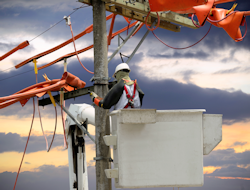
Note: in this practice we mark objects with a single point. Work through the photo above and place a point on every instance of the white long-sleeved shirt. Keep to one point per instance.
(124, 100)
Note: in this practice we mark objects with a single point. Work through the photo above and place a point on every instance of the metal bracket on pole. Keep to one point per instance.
(126, 39)
(100, 80)
(139, 44)
(102, 158)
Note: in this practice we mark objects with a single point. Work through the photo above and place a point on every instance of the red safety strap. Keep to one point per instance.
(129, 97)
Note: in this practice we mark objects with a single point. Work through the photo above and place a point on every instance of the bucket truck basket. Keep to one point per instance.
(161, 148)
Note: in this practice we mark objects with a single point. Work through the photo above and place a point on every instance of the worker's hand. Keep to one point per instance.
(93, 95)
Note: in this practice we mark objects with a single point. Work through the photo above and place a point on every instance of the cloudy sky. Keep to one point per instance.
(213, 75)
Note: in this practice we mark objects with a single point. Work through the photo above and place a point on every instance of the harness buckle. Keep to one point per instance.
(131, 102)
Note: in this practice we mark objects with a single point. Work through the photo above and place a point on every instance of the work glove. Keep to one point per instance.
(93, 95)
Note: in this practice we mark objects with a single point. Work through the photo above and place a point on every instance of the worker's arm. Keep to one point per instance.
(111, 98)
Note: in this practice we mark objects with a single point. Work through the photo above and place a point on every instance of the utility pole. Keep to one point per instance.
(101, 88)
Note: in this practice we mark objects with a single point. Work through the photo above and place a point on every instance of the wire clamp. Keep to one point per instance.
(100, 80)
(67, 19)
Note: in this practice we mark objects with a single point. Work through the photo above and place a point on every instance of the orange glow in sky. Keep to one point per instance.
(10, 161)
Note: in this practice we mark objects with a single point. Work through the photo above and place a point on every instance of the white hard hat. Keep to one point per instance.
(121, 66)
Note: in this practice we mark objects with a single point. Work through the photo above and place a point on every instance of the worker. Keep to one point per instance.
(125, 94)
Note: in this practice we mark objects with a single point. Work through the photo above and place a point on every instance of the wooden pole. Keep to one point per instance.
(101, 88)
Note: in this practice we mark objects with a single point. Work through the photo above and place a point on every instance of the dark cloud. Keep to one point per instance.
(211, 182)
(47, 177)
(227, 157)
(51, 177)
(187, 75)
(41, 20)
(36, 5)
(231, 58)
(237, 143)
(234, 70)
(232, 171)
(201, 55)
(169, 94)
(228, 71)
(14, 142)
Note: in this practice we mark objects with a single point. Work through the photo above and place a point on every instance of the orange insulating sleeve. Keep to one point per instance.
(111, 29)
(23, 45)
(66, 56)
(8, 103)
(87, 30)
(231, 24)
(41, 84)
(202, 11)
(72, 80)
(246, 13)
(20, 46)
(33, 93)
(84, 49)
(43, 87)
(163, 5)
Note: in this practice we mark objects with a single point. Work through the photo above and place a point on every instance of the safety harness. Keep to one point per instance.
(130, 98)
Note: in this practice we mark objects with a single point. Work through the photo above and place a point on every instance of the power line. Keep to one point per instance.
(46, 30)
(7, 69)
(16, 75)
(76, 9)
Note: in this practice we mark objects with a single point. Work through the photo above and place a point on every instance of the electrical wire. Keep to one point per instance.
(158, 22)
(41, 118)
(215, 21)
(64, 134)
(192, 18)
(77, 53)
(54, 130)
(184, 47)
(244, 34)
(7, 69)
(48, 30)
(76, 9)
(234, 12)
(16, 75)
(26, 143)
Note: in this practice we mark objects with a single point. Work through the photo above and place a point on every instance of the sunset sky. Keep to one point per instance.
(212, 75)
